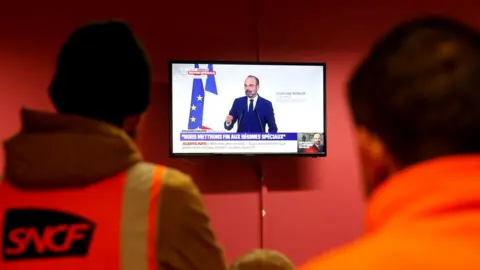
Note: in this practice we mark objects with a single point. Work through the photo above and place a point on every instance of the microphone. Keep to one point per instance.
(240, 119)
(259, 122)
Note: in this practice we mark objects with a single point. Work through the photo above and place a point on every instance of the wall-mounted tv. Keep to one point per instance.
(240, 108)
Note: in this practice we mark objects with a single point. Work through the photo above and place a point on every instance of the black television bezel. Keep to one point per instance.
(202, 62)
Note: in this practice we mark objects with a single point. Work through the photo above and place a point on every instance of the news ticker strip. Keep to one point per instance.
(192, 136)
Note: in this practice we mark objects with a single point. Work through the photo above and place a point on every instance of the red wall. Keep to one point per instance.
(311, 204)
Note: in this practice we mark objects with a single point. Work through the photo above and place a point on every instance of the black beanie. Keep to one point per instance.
(102, 73)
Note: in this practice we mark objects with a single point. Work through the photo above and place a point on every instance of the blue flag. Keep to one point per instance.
(196, 105)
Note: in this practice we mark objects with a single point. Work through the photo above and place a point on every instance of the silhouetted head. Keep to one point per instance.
(416, 96)
(262, 259)
(103, 73)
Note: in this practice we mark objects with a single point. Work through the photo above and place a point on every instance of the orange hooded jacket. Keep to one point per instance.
(426, 217)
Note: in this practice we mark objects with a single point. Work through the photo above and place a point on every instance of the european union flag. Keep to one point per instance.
(196, 104)
(195, 120)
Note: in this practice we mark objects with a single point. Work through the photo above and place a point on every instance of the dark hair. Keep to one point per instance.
(262, 259)
(257, 81)
(102, 73)
(419, 90)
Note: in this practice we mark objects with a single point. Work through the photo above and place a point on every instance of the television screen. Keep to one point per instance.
(236, 108)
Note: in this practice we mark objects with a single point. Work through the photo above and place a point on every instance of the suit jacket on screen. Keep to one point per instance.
(255, 121)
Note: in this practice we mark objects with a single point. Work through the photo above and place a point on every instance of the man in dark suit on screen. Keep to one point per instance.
(252, 112)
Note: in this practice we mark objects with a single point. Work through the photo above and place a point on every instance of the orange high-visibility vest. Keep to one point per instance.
(108, 225)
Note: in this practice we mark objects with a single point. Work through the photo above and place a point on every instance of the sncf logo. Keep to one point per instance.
(36, 233)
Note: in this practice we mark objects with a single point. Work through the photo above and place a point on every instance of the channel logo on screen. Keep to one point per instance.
(201, 72)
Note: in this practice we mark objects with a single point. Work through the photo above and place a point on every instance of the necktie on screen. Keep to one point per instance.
(250, 106)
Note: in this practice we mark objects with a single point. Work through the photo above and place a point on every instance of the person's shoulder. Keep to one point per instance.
(239, 99)
(177, 181)
(170, 178)
(178, 194)
(265, 100)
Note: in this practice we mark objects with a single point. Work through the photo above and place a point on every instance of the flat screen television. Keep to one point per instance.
(247, 108)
